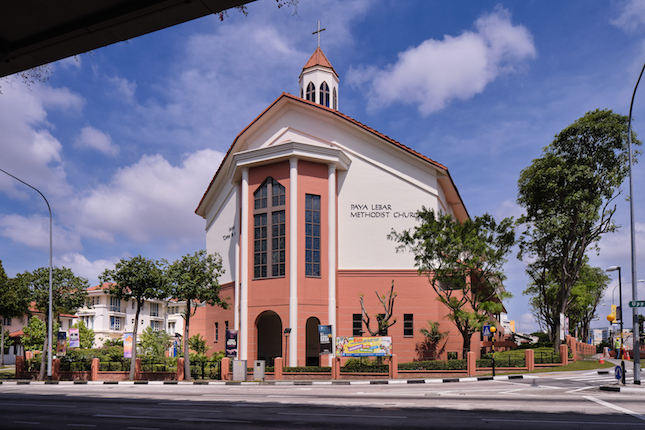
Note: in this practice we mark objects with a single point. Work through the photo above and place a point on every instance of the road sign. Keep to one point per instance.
(486, 330)
(637, 304)
(618, 373)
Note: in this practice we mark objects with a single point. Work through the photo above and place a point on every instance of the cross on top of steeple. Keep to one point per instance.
(318, 33)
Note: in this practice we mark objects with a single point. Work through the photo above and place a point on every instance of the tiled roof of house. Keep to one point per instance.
(319, 59)
(335, 113)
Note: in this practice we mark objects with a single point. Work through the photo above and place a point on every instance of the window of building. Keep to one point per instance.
(379, 318)
(357, 324)
(98, 300)
(269, 240)
(324, 94)
(312, 235)
(216, 332)
(115, 304)
(7, 321)
(171, 328)
(154, 309)
(155, 325)
(133, 301)
(311, 92)
(115, 323)
(335, 100)
(408, 325)
(226, 325)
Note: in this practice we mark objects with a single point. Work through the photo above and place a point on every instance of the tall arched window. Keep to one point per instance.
(311, 92)
(324, 94)
(269, 230)
(335, 100)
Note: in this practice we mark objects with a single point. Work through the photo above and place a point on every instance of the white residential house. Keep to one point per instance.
(110, 317)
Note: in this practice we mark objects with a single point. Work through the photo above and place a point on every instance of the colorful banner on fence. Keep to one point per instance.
(61, 344)
(74, 338)
(364, 346)
(127, 345)
(326, 345)
(231, 343)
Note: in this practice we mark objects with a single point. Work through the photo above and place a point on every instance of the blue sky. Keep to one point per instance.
(124, 140)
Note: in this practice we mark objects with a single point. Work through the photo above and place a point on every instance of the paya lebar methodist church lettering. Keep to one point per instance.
(376, 211)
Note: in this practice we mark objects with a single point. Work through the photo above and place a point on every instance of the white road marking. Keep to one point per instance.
(616, 408)
(344, 415)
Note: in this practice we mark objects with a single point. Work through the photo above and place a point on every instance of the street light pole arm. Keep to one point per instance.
(50, 313)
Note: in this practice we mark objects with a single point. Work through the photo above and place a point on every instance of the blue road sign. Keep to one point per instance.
(486, 330)
(618, 373)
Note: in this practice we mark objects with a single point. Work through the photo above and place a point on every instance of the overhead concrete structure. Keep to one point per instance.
(37, 32)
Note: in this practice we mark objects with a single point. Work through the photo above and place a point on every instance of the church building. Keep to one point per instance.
(300, 210)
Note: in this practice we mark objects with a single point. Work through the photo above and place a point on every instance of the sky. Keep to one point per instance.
(124, 140)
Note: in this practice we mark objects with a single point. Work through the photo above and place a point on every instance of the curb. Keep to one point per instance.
(251, 383)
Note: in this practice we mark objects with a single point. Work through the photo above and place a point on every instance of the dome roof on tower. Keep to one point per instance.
(319, 59)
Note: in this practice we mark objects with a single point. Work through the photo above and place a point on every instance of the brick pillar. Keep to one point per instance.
(277, 365)
(225, 366)
(180, 369)
(56, 369)
(564, 354)
(137, 369)
(335, 368)
(20, 366)
(94, 373)
(471, 363)
(394, 367)
(529, 358)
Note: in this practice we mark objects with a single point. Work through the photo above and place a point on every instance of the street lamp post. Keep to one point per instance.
(620, 303)
(49, 326)
(637, 354)
(493, 329)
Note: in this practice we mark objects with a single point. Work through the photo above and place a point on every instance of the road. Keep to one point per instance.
(570, 400)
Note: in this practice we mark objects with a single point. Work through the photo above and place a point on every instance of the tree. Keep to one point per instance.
(85, 334)
(463, 263)
(137, 279)
(35, 334)
(155, 343)
(198, 344)
(581, 307)
(382, 320)
(194, 279)
(14, 303)
(429, 348)
(568, 196)
(68, 294)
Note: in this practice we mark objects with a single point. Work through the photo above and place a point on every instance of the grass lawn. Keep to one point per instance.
(8, 372)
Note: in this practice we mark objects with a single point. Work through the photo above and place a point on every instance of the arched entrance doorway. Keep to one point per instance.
(313, 342)
(269, 327)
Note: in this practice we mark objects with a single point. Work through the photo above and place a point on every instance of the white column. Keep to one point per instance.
(331, 254)
(243, 335)
(236, 303)
(293, 261)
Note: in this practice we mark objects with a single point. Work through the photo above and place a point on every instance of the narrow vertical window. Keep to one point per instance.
(324, 94)
(357, 324)
(335, 100)
(408, 325)
(311, 92)
(312, 235)
(216, 332)
(269, 240)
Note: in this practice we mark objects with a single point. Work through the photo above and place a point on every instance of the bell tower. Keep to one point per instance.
(318, 79)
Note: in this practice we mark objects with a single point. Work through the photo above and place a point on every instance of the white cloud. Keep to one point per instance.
(632, 15)
(33, 231)
(149, 200)
(124, 87)
(93, 138)
(527, 324)
(436, 72)
(81, 266)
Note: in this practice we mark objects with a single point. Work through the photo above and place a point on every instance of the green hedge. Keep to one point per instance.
(434, 365)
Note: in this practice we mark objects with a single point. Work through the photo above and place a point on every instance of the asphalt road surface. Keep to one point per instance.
(569, 400)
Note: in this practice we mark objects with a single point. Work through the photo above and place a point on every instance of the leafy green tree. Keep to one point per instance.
(568, 196)
(85, 334)
(194, 279)
(429, 348)
(137, 278)
(35, 334)
(198, 344)
(154, 343)
(463, 263)
(585, 297)
(69, 293)
(14, 303)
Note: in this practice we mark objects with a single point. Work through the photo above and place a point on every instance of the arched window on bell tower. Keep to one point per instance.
(324, 94)
(335, 100)
(311, 92)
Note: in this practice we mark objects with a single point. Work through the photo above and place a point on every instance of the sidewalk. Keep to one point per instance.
(617, 386)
